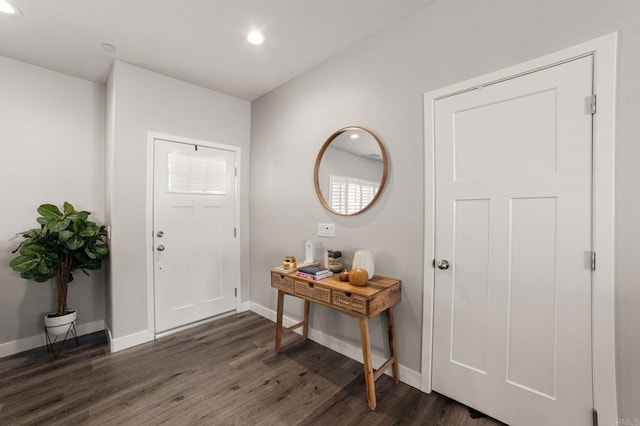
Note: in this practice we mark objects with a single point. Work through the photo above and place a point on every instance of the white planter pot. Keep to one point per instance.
(59, 325)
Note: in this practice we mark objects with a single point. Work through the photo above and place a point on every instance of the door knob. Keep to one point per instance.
(443, 264)
(160, 248)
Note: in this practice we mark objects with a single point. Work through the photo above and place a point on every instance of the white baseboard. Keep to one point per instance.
(21, 345)
(244, 307)
(128, 341)
(407, 375)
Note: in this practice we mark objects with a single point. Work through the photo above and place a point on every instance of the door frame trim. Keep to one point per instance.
(151, 137)
(604, 50)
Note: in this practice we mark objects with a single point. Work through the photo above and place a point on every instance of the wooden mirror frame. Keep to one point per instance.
(316, 169)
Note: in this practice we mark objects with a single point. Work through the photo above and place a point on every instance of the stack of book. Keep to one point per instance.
(313, 272)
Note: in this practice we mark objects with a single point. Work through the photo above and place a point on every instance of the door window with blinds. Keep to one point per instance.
(350, 195)
(196, 173)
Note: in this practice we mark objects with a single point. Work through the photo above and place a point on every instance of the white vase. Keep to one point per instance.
(363, 260)
(59, 325)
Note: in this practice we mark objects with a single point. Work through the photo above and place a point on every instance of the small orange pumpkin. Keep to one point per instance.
(358, 277)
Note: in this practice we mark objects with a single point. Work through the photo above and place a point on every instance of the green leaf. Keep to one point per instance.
(91, 264)
(24, 263)
(33, 249)
(38, 278)
(49, 211)
(68, 209)
(47, 222)
(78, 225)
(59, 225)
(90, 254)
(102, 250)
(74, 242)
(65, 235)
(91, 231)
(44, 269)
(32, 233)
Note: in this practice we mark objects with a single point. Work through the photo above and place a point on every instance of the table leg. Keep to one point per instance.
(392, 346)
(279, 321)
(368, 366)
(305, 327)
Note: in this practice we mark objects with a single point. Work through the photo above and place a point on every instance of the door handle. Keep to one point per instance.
(160, 248)
(160, 234)
(443, 264)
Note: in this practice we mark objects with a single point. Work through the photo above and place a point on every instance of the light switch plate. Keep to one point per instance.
(326, 230)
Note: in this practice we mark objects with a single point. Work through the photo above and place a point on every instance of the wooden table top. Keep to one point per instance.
(374, 286)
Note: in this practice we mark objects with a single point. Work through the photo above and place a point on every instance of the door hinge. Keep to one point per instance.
(591, 103)
(235, 291)
(234, 232)
(593, 260)
(235, 171)
(595, 417)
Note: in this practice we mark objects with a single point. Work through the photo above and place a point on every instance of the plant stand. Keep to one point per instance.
(50, 348)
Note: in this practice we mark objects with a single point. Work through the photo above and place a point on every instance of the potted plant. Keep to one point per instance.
(66, 241)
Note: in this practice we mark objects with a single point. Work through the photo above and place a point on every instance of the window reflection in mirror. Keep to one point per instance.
(350, 171)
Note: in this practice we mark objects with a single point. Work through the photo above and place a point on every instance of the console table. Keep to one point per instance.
(361, 302)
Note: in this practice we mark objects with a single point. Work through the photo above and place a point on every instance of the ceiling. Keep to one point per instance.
(200, 41)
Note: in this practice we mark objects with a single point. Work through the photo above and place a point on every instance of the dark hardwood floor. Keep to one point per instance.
(221, 373)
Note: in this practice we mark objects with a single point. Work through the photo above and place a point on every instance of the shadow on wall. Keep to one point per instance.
(37, 301)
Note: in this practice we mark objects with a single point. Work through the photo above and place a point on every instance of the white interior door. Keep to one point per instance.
(193, 220)
(512, 313)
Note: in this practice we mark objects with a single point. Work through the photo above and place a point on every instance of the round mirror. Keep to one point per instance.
(350, 171)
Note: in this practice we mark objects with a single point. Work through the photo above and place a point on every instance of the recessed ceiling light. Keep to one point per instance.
(255, 37)
(8, 8)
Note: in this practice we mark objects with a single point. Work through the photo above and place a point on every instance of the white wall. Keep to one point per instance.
(52, 137)
(379, 84)
(141, 101)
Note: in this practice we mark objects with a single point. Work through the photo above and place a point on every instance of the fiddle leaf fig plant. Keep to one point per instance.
(66, 241)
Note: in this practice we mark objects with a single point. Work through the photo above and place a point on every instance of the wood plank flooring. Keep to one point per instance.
(221, 373)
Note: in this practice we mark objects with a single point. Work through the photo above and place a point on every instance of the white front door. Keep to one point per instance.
(193, 225)
(512, 312)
